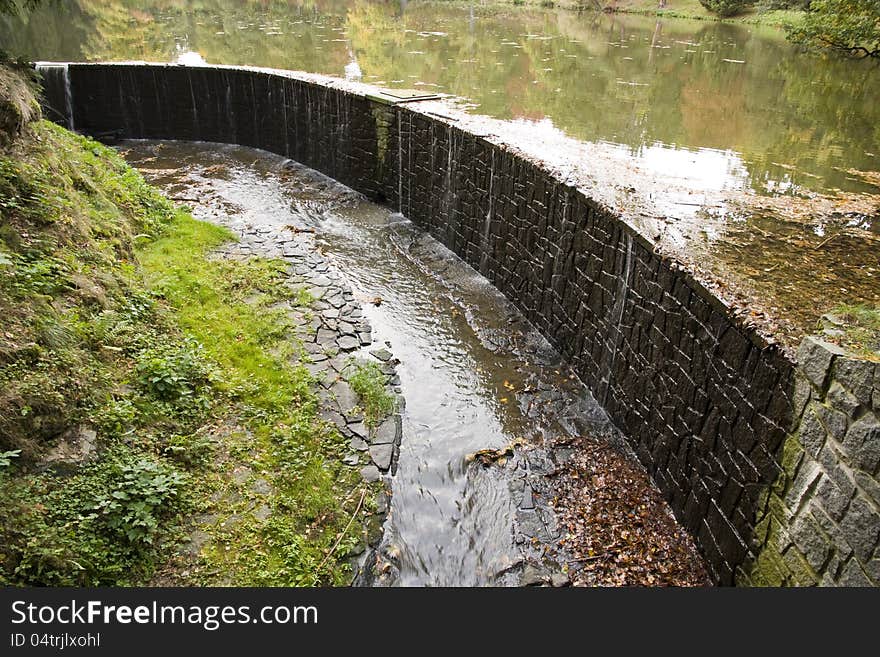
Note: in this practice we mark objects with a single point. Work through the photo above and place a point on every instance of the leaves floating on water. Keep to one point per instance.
(872, 177)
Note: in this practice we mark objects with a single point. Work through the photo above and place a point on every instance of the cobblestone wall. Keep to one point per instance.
(706, 404)
(819, 522)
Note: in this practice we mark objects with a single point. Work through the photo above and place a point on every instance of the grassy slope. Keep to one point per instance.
(229, 307)
(153, 347)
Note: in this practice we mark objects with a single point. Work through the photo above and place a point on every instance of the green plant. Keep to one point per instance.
(725, 8)
(142, 491)
(850, 27)
(192, 451)
(173, 373)
(6, 458)
(116, 416)
(304, 297)
(368, 382)
(861, 329)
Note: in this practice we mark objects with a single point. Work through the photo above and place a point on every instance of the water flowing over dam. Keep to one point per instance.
(767, 464)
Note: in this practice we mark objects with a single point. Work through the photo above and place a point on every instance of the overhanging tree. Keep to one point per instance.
(851, 27)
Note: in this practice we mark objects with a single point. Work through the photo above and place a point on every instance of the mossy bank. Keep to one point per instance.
(139, 377)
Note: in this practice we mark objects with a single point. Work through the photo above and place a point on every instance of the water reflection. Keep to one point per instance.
(693, 118)
(779, 121)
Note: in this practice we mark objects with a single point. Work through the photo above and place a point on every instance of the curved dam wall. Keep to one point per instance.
(773, 468)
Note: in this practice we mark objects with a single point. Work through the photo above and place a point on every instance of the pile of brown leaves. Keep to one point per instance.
(618, 528)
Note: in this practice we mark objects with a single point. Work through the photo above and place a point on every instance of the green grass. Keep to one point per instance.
(213, 300)
(686, 9)
(119, 317)
(368, 381)
(692, 9)
(79, 325)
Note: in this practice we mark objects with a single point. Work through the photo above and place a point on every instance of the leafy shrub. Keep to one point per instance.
(726, 8)
(768, 5)
(115, 417)
(173, 373)
(368, 382)
(134, 503)
(103, 525)
(851, 27)
(6, 458)
(191, 451)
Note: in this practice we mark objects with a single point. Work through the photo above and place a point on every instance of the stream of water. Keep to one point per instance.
(473, 373)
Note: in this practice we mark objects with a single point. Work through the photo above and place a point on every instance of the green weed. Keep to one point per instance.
(368, 382)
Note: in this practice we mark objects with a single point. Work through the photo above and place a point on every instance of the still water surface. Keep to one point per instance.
(732, 106)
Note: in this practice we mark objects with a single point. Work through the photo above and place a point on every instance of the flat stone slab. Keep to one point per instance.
(382, 354)
(359, 429)
(394, 96)
(528, 500)
(533, 576)
(333, 417)
(326, 338)
(348, 343)
(370, 473)
(345, 396)
(389, 432)
(382, 455)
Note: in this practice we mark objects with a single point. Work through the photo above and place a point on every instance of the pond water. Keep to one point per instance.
(787, 143)
(735, 106)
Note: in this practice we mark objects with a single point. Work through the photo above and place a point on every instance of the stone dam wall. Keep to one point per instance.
(773, 467)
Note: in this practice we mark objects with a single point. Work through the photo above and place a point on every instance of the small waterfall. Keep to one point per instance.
(284, 117)
(619, 305)
(399, 163)
(68, 98)
(57, 92)
(484, 245)
(195, 107)
(404, 156)
(230, 109)
(254, 111)
(449, 194)
(409, 152)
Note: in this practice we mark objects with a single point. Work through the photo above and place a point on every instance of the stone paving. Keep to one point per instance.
(335, 336)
